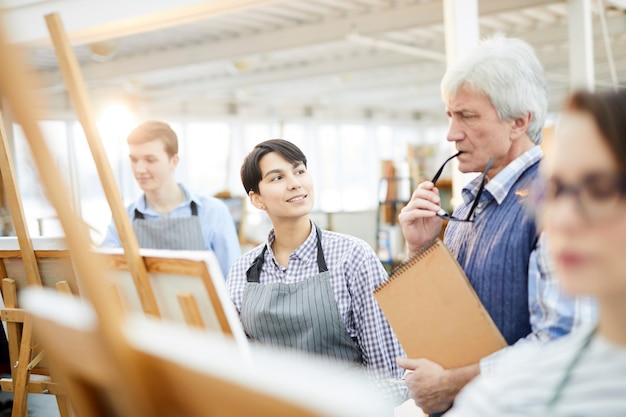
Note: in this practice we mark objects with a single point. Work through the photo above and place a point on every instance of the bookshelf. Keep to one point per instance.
(394, 194)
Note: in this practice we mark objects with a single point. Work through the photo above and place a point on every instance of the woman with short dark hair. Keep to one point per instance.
(307, 288)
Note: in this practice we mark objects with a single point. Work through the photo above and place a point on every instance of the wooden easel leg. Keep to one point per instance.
(14, 330)
(22, 374)
(64, 406)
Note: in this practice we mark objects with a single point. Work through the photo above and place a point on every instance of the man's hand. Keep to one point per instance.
(418, 219)
(432, 387)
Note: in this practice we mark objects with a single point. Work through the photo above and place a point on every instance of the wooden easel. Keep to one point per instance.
(17, 87)
(22, 355)
(80, 358)
(135, 263)
(80, 99)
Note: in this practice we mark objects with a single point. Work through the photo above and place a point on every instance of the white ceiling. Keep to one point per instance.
(289, 58)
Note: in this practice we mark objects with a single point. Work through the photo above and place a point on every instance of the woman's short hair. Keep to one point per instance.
(608, 110)
(508, 72)
(155, 130)
(251, 174)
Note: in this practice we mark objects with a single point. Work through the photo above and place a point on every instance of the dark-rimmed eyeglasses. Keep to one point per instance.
(597, 196)
(470, 216)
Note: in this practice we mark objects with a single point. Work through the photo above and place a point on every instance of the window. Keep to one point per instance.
(206, 157)
(343, 159)
(40, 216)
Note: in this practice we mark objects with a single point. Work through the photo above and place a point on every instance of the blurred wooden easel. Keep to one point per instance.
(17, 88)
(24, 354)
(133, 263)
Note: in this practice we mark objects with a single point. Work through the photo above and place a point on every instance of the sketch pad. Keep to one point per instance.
(435, 312)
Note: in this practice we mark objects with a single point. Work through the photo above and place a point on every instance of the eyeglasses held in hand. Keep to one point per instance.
(597, 196)
(470, 216)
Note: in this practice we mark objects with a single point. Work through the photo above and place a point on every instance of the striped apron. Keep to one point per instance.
(302, 315)
(183, 233)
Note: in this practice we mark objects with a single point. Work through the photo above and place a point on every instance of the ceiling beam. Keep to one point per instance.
(294, 37)
(558, 33)
(284, 75)
(93, 21)
(488, 7)
(412, 74)
(412, 16)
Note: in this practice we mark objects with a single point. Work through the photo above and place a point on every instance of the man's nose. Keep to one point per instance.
(140, 166)
(455, 133)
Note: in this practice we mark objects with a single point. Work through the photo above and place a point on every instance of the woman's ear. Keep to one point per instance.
(256, 200)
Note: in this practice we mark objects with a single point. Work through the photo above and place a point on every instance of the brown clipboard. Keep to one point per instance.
(435, 312)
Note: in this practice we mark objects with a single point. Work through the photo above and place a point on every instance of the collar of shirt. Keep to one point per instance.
(141, 203)
(499, 186)
(306, 252)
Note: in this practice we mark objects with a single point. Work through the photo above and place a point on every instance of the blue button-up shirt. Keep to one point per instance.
(218, 227)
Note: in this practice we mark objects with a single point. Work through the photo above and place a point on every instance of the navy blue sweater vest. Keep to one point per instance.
(494, 251)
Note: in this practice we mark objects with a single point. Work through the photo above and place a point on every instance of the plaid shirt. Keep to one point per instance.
(355, 271)
(552, 312)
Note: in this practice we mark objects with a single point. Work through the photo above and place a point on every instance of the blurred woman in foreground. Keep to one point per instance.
(582, 207)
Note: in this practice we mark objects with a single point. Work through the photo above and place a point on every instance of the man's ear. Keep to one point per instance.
(520, 126)
(256, 200)
(175, 160)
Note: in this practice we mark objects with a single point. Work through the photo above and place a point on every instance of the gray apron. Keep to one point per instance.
(183, 233)
(303, 315)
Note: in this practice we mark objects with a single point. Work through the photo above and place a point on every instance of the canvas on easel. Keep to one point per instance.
(172, 273)
(434, 311)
